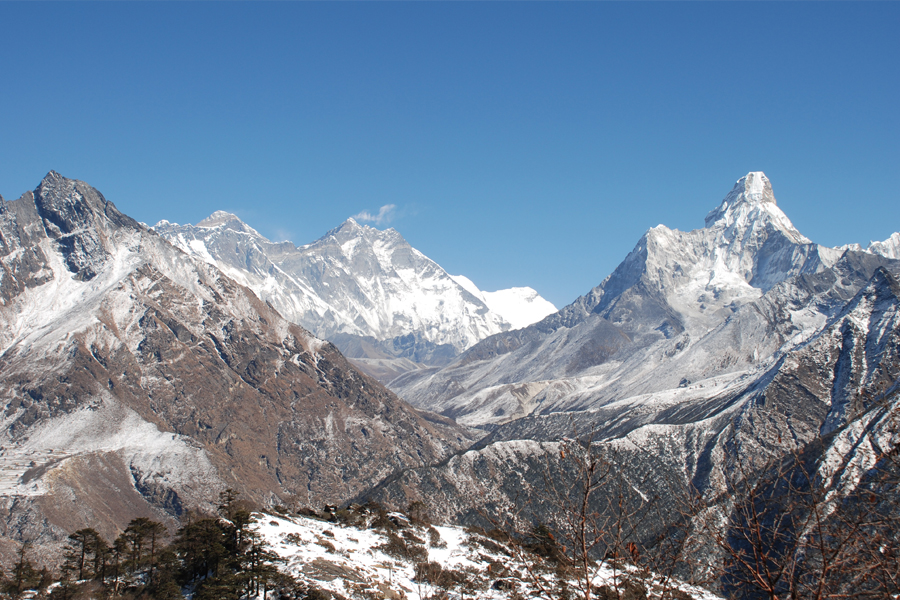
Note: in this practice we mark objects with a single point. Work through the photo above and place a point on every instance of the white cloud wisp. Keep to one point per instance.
(385, 215)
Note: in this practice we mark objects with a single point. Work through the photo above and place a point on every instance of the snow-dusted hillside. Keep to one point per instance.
(359, 561)
(367, 290)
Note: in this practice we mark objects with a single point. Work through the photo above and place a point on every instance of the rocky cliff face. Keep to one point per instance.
(137, 381)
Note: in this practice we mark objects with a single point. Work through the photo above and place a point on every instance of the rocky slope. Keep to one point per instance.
(739, 339)
(688, 394)
(834, 396)
(137, 381)
(381, 301)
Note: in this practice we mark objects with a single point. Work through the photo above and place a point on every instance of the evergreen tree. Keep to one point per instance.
(82, 545)
(24, 575)
(102, 555)
(202, 548)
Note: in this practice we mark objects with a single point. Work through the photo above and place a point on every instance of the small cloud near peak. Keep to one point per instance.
(385, 215)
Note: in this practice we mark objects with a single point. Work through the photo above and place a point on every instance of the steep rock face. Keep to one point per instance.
(123, 360)
(670, 311)
(366, 290)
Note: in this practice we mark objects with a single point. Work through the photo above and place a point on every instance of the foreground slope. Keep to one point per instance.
(365, 555)
(137, 381)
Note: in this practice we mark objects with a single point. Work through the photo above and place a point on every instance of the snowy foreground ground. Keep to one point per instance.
(359, 562)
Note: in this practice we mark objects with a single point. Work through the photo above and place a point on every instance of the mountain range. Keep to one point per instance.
(736, 344)
(688, 311)
(387, 306)
(170, 363)
(137, 381)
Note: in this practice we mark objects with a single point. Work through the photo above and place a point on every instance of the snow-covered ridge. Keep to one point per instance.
(359, 281)
(889, 248)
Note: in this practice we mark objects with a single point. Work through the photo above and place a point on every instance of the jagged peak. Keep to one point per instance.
(889, 248)
(351, 228)
(753, 187)
(230, 221)
(52, 177)
(53, 183)
(751, 200)
(347, 229)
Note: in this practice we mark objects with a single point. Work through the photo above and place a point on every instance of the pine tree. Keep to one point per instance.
(24, 575)
(83, 544)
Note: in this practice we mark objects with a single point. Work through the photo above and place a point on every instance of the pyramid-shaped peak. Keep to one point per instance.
(753, 187)
(351, 230)
(347, 229)
(352, 227)
(229, 221)
(752, 191)
(54, 181)
(751, 201)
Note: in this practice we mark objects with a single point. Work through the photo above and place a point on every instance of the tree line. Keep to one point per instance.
(213, 557)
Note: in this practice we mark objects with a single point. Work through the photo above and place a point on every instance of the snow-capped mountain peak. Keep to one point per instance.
(889, 248)
(668, 294)
(354, 283)
(220, 217)
(352, 231)
(750, 203)
(348, 227)
(227, 220)
(520, 306)
(747, 246)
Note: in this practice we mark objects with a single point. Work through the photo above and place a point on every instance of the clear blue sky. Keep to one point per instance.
(522, 143)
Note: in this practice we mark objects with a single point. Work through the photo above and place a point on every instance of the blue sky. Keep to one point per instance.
(520, 143)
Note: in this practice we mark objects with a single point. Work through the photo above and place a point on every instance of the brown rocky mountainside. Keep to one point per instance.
(137, 381)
